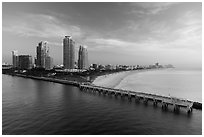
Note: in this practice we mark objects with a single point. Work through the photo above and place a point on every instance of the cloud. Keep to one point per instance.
(40, 25)
(107, 43)
(190, 18)
(183, 32)
(147, 34)
(151, 8)
(189, 33)
(187, 37)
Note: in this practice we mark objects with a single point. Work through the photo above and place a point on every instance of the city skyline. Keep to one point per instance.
(123, 33)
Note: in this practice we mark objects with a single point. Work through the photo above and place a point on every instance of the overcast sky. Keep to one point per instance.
(115, 33)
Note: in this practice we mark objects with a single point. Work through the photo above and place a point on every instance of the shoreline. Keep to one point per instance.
(196, 105)
(114, 79)
(104, 81)
(109, 80)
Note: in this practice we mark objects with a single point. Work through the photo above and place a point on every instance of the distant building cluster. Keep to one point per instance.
(126, 67)
(112, 67)
(44, 61)
(21, 61)
(156, 65)
(69, 55)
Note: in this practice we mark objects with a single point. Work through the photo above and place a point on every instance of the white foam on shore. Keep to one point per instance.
(111, 80)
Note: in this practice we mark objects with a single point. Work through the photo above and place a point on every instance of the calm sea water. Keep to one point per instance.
(38, 107)
(185, 84)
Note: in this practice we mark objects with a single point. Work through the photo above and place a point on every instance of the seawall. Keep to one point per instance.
(61, 81)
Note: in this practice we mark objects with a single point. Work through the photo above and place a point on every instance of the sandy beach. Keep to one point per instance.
(111, 80)
(114, 79)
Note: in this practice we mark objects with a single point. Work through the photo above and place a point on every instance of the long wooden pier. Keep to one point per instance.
(145, 97)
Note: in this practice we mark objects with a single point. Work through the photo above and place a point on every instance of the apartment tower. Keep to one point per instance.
(42, 53)
(83, 58)
(15, 60)
(68, 53)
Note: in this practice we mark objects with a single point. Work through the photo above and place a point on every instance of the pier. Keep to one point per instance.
(165, 101)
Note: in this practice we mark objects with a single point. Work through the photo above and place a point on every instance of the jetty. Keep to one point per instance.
(165, 101)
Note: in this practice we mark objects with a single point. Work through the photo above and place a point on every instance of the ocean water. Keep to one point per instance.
(33, 107)
(185, 84)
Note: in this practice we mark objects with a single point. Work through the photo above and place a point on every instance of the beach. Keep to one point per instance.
(166, 82)
(110, 80)
(114, 79)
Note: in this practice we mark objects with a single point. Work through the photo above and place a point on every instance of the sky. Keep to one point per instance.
(133, 33)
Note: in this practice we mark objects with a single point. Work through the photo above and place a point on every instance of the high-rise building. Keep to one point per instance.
(25, 62)
(15, 59)
(42, 53)
(68, 53)
(48, 63)
(83, 58)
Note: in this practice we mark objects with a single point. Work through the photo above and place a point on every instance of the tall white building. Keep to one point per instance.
(68, 53)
